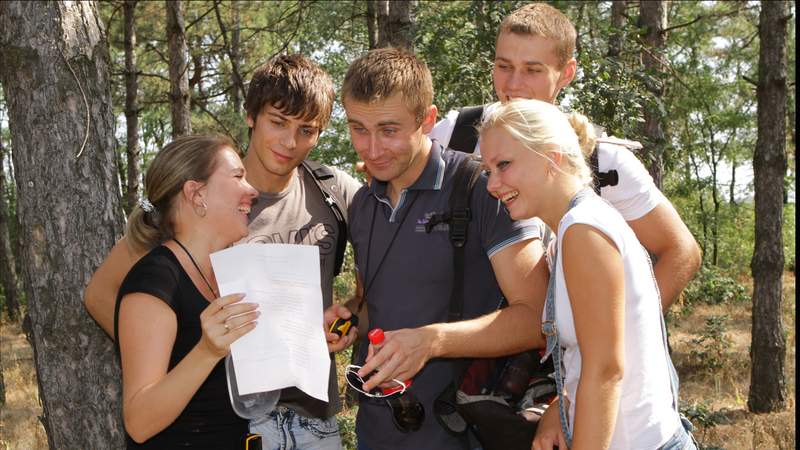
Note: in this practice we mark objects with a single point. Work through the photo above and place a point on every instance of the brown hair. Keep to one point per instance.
(192, 157)
(294, 85)
(541, 19)
(384, 72)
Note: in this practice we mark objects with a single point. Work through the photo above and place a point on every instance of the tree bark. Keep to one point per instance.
(55, 76)
(396, 24)
(131, 107)
(768, 348)
(615, 39)
(8, 270)
(180, 96)
(653, 22)
(372, 23)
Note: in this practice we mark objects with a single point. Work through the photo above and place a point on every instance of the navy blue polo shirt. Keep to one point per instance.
(409, 285)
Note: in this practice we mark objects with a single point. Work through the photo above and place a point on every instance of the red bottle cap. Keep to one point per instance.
(375, 336)
(398, 388)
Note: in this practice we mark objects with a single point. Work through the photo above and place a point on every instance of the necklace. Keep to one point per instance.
(368, 281)
(197, 267)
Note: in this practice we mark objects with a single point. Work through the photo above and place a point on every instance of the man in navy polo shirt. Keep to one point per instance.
(406, 272)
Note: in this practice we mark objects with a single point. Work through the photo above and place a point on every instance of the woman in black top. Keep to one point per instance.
(171, 326)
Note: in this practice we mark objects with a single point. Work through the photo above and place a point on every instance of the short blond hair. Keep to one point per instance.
(384, 72)
(541, 127)
(541, 19)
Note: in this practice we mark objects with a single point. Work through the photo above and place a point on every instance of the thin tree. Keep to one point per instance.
(653, 22)
(396, 23)
(8, 270)
(372, 23)
(768, 348)
(180, 96)
(55, 72)
(617, 36)
(131, 106)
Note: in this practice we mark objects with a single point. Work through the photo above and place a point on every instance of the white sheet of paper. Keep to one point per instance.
(287, 347)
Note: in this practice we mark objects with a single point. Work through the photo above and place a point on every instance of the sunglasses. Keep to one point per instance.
(407, 411)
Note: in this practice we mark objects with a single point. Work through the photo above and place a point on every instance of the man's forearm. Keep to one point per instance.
(507, 331)
(674, 270)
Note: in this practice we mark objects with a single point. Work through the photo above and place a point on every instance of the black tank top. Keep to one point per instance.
(208, 421)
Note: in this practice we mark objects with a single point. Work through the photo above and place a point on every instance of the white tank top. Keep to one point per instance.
(646, 418)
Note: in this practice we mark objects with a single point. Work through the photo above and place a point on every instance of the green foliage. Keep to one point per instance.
(703, 417)
(789, 237)
(713, 286)
(710, 348)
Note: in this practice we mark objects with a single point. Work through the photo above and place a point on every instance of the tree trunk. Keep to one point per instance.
(653, 22)
(396, 26)
(768, 348)
(131, 108)
(372, 23)
(732, 192)
(180, 97)
(237, 92)
(8, 270)
(55, 76)
(615, 39)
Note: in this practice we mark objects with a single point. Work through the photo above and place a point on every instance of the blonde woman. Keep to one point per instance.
(603, 305)
(170, 324)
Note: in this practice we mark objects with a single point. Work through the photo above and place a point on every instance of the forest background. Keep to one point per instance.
(680, 77)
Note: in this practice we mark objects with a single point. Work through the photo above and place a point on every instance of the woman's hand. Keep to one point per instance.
(548, 432)
(225, 320)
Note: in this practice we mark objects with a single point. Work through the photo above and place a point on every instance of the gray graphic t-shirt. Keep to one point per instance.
(299, 215)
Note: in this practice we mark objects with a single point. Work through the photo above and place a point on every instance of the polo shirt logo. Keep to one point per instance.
(422, 221)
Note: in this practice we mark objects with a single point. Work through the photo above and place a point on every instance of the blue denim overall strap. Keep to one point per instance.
(549, 325)
(673, 374)
(679, 440)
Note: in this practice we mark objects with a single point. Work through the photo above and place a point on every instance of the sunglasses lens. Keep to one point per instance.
(354, 380)
(407, 411)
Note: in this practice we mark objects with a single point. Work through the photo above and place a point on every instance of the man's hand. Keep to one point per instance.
(403, 354)
(548, 432)
(338, 343)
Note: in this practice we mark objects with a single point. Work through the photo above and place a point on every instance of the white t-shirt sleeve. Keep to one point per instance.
(443, 130)
(635, 195)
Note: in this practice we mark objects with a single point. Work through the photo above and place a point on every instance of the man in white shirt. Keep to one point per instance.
(533, 59)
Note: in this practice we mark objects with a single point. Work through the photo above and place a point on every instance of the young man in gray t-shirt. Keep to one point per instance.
(289, 102)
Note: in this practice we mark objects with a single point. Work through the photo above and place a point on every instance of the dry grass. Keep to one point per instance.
(19, 417)
(723, 391)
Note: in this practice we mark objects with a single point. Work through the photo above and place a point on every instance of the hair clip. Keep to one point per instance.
(145, 204)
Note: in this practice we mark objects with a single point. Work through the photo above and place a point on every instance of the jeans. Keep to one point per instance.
(284, 429)
(682, 439)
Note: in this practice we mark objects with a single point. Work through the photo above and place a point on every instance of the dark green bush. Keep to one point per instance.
(714, 286)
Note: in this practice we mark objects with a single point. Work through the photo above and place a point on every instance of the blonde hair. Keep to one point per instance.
(541, 128)
(384, 72)
(541, 19)
(192, 157)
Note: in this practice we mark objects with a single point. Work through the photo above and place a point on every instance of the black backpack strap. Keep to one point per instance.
(325, 180)
(460, 215)
(458, 218)
(465, 131)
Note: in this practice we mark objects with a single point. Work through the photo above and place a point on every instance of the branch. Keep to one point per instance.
(192, 23)
(703, 17)
(750, 80)
(237, 77)
(227, 131)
